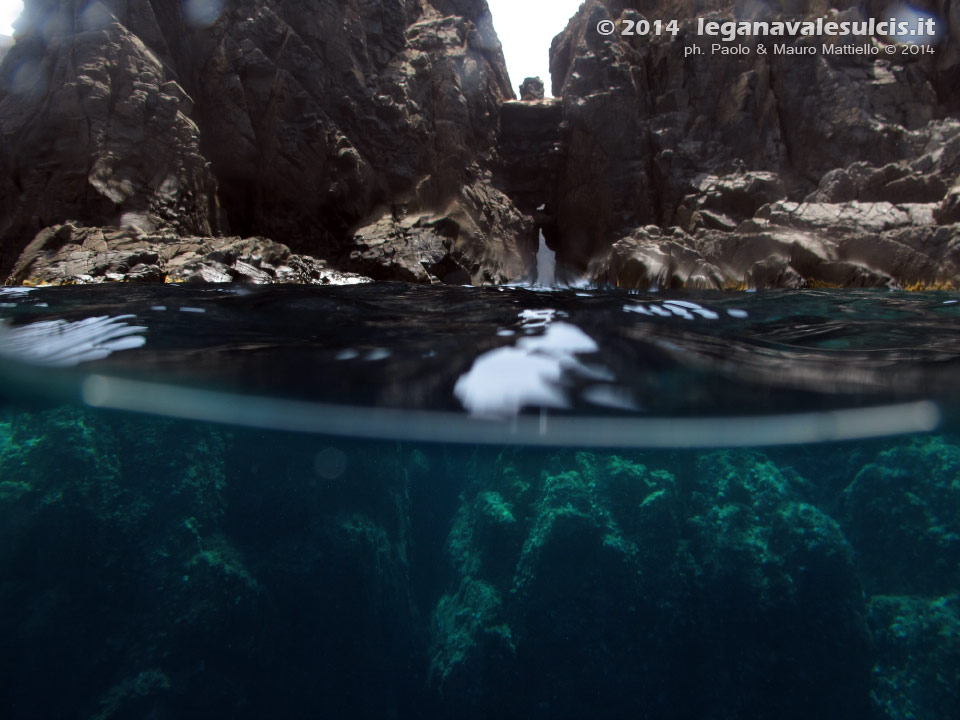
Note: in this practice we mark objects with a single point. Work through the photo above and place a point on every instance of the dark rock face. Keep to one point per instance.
(900, 508)
(383, 137)
(654, 135)
(949, 211)
(532, 156)
(531, 89)
(300, 120)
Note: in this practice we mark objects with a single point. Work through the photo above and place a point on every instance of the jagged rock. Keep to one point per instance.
(949, 210)
(809, 253)
(649, 259)
(840, 217)
(67, 254)
(531, 89)
(94, 127)
(543, 554)
(415, 249)
(721, 203)
(336, 126)
(920, 180)
(292, 120)
(167, 536)
(402, 244)
(643, 123)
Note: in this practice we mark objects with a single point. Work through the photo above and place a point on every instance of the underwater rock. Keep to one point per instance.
(113, 560)
(174, 566)
(899, 514)
(547, 553)
(917, 674)
(177, 568)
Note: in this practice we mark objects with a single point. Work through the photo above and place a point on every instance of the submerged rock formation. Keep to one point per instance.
(176, 566)
(546, 554)
(302, 121)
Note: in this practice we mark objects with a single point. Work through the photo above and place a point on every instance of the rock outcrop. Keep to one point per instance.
(665, 130)
(383, 137)
(302, 121)
(531, 89)
(66, 254)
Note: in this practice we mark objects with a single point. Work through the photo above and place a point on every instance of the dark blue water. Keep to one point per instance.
(430, 502)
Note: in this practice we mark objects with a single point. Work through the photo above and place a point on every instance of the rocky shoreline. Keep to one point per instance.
(383, 139)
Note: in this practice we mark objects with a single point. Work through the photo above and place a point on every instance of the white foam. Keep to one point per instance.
(502, 382)
(59, 343)
(694, 308)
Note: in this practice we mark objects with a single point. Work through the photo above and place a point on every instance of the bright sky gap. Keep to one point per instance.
(9, 11)
(526, 28)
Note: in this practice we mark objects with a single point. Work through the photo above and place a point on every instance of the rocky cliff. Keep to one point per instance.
(361, 132)
(685, 165)
(382, 137)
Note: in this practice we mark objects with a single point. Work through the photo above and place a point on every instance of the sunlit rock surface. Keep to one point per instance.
(67, 254)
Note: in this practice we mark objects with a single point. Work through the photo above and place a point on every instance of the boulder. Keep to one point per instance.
(531, 89)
